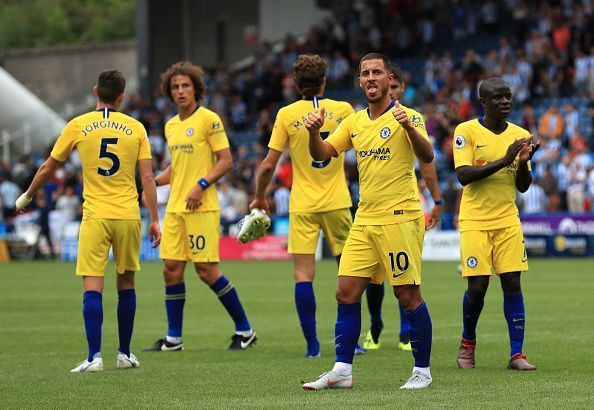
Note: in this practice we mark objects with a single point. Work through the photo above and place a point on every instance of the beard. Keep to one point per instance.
(379, 94)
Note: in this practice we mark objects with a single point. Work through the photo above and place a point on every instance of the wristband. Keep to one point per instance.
(203, 183)
(439, 202)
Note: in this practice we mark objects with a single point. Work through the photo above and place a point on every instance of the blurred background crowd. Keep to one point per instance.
(543, 49)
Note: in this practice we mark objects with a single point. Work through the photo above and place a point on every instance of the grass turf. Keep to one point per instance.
(43, 337)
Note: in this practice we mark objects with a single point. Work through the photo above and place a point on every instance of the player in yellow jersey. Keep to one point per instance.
(111, 146)
(200, 156)
(492, 157)
(386, 239)
(375, 291)
(320, 198)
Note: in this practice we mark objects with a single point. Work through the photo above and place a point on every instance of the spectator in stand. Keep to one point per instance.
(69, 204)
(576, 187)
(9, 192)
(534, 200)
(281, 200)
(562, 171)
(572, 120)
(551, 124)
(285, 171)
(551, 189)
(265, 124)
(44, 208)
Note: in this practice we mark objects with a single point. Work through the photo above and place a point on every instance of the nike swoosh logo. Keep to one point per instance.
(331, 383)
(84, 368)
(354, 135)
(400, 274)
(481, 146)
(246, 344)
(517, 320)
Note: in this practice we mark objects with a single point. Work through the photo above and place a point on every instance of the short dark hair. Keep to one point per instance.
(486, 87)
(110, 85)
(377, 56)
(397, 73)
(195, 73)
(309, 72)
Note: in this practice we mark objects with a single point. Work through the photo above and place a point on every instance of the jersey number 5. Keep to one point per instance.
(103, 153)
(322, 164)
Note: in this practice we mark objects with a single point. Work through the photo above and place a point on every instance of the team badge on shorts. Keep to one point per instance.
(385, 133)
(190, 132)
(472, 262)
(460, 141)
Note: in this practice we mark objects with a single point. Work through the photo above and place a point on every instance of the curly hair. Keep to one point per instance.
(309, 72)
(184, 68)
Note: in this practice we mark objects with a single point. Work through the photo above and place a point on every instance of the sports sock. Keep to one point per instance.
(93, 316)
(126, 312)
(344, 369)
(305, 301)
(175, 299)
(375, 297)
(424, 370)
(471, 310)
(347, 331)
(513, 308)
(420, 334)
(404, 326)
(228, 297)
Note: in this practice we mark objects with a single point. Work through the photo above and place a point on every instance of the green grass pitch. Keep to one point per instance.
(42, 334)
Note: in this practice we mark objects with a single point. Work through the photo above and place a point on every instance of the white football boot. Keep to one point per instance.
(418, 380)
(125, 362)
(88, 367)
(253, 226)
(330, 380)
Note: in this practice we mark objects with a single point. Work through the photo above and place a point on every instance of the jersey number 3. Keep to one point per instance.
(104, 153)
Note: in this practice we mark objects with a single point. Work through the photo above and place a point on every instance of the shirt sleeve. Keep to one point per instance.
(463, 148)
(418, 122)
(144, 150)
(340, 139)
(280, 136)
(216, 135)
(66, 142)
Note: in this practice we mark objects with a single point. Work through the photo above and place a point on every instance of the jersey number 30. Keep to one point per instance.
(104, 153)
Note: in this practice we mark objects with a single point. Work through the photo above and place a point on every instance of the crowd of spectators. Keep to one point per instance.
(543, 49)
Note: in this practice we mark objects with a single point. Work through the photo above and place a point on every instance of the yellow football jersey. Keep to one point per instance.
(385, 158)
(109, 144)
(192, 144)
(318, 186)
(490, 202)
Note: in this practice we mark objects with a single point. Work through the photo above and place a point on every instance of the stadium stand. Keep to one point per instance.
(546, 56)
